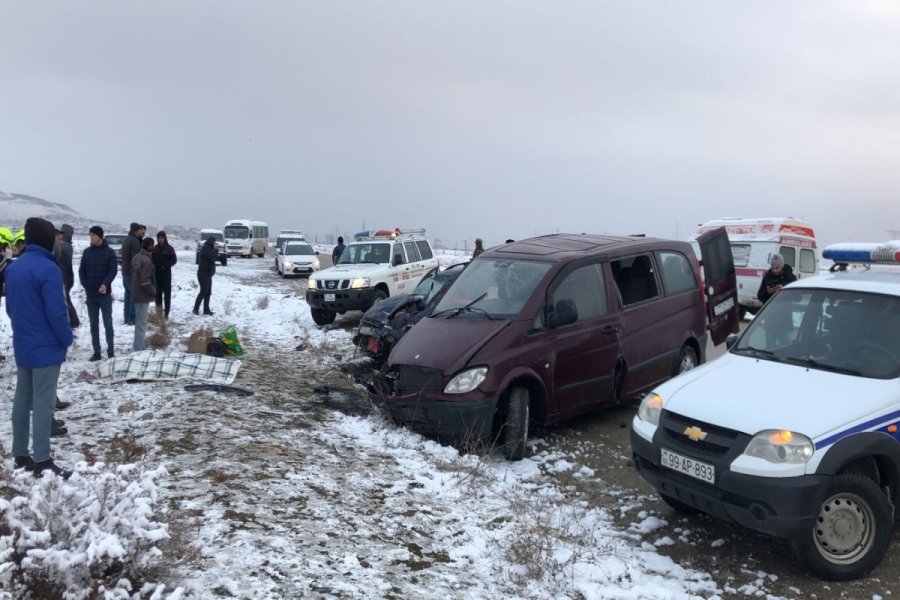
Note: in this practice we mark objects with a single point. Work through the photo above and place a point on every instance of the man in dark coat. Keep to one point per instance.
(35, 302)
(164, 258)
(205, 271)
(338, 250)
(131, 247)
(63, 251)
(96, 273)
(778, 276)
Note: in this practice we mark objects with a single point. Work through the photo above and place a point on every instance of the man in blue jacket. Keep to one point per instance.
(96, 273)
(36, 305)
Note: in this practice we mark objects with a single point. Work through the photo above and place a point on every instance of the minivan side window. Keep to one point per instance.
(424, 249)
(583, 286)
(677, 273)
(635, 279)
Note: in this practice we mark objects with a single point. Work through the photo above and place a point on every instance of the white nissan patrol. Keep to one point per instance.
(374, 266)
(795, 432)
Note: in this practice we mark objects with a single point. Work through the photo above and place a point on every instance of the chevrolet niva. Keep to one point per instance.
(794, 432)
(545, 329)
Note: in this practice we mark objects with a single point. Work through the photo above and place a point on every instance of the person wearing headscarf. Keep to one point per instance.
(41, 335)
(164, 258)
(143, 289)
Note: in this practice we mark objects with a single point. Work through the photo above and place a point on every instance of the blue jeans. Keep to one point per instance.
(35, 394)
(140, 325)
(101, 305)
(129, 303)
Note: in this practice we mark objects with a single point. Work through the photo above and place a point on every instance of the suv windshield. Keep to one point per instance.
(355, 254)
(205, 236)
(832, 330)
(493, 288)
(237, 232)
(304, 249)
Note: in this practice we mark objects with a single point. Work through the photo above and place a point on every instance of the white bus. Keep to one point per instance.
(244, 237)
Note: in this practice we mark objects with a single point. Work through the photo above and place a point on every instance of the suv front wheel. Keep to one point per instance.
(852, 531)
(322, 317)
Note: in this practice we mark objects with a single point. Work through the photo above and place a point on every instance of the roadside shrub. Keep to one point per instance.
(100, 534)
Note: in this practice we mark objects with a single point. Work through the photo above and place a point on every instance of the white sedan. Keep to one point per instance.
(296, 258)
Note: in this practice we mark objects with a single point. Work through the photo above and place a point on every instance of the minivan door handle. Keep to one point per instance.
(610, 330)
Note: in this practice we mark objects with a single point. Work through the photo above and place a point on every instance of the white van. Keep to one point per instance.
(754, 241)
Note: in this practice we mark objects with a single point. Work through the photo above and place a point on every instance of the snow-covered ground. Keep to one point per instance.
(303, 491)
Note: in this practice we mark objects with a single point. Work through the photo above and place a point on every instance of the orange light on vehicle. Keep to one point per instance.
(655, 401)
(780, 438)
(892, 429)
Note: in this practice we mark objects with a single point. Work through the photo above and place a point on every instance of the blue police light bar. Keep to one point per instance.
(868, 253)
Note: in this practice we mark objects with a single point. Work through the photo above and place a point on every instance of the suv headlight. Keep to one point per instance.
(311, 283)
(650, 408)
(359, 282)
(466, 381)
(780, 446)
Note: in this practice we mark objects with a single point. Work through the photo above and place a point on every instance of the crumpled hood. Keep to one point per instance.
(749, 395)
(445, 344)
(382, 310)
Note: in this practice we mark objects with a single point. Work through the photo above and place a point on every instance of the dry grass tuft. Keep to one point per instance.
(125, 449)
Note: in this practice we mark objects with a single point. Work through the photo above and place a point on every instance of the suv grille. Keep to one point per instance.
(334, 284)
(718, 441)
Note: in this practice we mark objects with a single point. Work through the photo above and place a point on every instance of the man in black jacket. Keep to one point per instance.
(96, 273)
(205, 271)
(131, 247)
(778, 276)
(63, 251)
(164, 259)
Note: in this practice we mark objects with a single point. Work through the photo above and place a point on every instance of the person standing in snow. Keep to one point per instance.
(41, 335)
(131, 247)
(206, 268)
(143, 289)
(96, 272)
(164, 258)
(63, 251)
(338, 250)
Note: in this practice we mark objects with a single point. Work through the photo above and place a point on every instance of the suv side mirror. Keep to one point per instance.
(398, 260)
(564, 313)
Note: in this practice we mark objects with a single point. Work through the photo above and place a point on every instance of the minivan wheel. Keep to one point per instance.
(515, 430)
(322, 317)
(852, 531)
(687, 360)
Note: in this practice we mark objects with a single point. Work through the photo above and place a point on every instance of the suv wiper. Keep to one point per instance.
(460, 309)
(813, 363)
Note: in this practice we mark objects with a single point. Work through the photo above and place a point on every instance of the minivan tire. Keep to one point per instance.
(322, 317)
(687, 360)
(515, 430)
(857, 499)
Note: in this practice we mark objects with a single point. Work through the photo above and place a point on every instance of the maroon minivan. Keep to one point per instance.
(547, 328)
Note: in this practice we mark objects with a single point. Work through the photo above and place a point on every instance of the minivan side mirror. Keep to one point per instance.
(731, 340)
(398, 259)
(564, 313)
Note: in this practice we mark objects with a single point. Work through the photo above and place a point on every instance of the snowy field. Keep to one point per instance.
(302, 491)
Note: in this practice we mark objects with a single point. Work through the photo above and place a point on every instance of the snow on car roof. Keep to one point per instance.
(876, 280)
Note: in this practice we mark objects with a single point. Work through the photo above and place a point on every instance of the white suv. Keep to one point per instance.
(373, 267)
(795, 431)
(220, 245)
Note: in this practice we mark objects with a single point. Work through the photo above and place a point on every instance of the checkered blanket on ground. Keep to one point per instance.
(158, 365)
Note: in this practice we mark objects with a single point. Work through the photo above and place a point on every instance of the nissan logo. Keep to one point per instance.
(329, 285)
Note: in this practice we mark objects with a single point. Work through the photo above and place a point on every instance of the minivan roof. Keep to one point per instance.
(561, 247)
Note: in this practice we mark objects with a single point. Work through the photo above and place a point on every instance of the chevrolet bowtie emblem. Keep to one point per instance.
(695, 433)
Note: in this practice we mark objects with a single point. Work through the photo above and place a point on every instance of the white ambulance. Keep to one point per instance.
(376, 265)
(754, 241)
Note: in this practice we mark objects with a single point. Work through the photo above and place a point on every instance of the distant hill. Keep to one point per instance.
(16, 208)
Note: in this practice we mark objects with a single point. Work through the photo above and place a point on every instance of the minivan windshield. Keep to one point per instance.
(354, 254)
(492, 287)
(842, 331)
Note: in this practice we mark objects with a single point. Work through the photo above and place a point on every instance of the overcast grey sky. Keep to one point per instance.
(485, 118)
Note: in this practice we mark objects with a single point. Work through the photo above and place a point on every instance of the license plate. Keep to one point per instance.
(695, 468)
(329, 298)
(366, 330)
